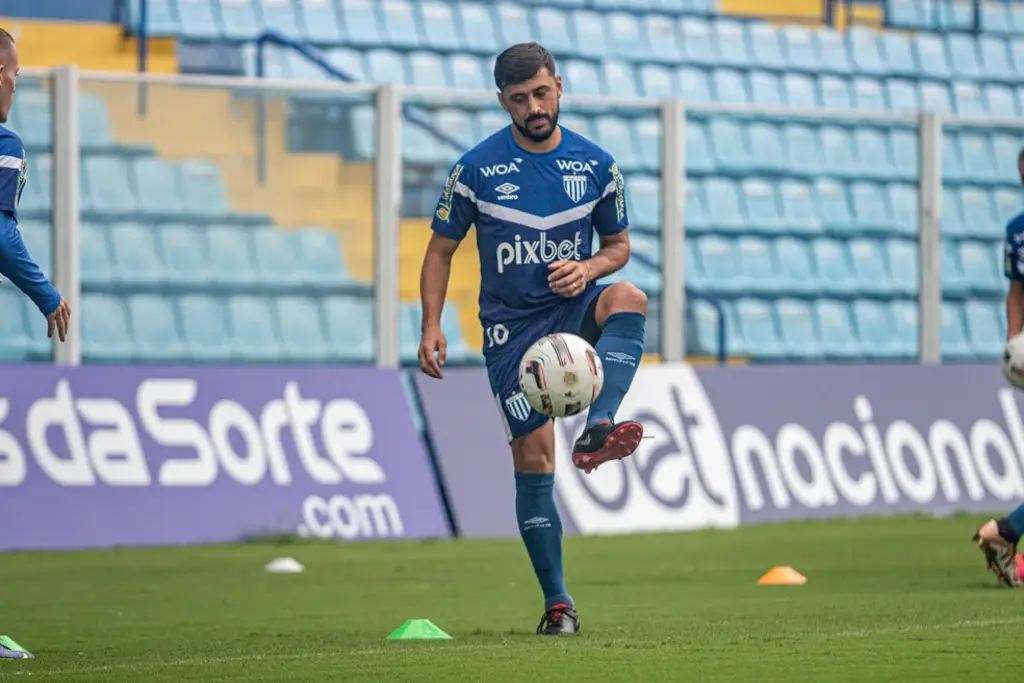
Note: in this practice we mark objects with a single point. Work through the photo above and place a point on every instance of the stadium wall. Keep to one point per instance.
(102, 456)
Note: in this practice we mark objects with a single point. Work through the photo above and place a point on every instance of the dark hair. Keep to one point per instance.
(520, 63)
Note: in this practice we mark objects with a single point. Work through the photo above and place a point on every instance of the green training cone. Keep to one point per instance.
(418, 629)
(11, 650)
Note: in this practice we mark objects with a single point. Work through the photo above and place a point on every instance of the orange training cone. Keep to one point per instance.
(782, 576)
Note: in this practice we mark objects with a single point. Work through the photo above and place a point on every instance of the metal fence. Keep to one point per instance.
(278, 154)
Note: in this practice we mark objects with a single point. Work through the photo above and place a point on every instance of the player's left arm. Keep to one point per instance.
(609, 219)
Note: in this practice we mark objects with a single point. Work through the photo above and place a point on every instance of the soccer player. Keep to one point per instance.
(997, 539)
(537, 192)
(15, 262)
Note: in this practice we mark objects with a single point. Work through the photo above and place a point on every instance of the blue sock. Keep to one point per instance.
(541, 529)
(620, 347)
(1017, 520)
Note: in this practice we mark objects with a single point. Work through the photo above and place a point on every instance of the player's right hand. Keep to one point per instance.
(433, 341)
(59, 320)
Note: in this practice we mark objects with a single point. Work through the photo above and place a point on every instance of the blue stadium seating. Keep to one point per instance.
(804, 227)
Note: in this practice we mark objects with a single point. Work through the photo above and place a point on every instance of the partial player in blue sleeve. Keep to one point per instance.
(538, 193)
(16, 264)
(997, 538)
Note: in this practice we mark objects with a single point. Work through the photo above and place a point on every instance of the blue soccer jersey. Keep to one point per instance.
(1013, 261)
(530, 210)
(12, 171)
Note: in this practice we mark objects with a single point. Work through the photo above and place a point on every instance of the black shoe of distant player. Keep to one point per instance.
(995, 541)
(559, 620)
(605, 441)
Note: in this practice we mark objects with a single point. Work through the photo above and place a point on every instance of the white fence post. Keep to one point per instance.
(673, 237)
(66, 170)
(387, 216)
(930, 239)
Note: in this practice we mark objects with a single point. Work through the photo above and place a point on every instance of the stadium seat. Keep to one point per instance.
(723, 195)
(870, 267)
(903, 95)
(720, 265)
(693, 85)
(277, 255)
(1000, 101)
(154, 324)
(984, 321)
(239, 20)
(871, 207)
(658, 82)
(954, 282)
(623, 76)
(838, 339)
(157, 185)
(198, 21)
(995, 59)
(835, 206)
(427, 69)
(834, 92)
(281, 16)
(865, 51)
(513, 22)
(761, 205)
(982, 268)
(161, 18)
(799, 212)
(136, 255)
(627, 38)
(729, 86)
(106, 335)
(38, 240)
(202, 189)
(758, 328)
(204, 328)
(95, 259)
(904, 269)
(301, 329)
(796, 267)
(954, 335)
(968, 100)
(766, 138)
(869, 95)
(731, 146)
(798, 335)
(320, 258)
(107, 180)
(803, 149)
(931, 56)
(553, 30)
(254, 329)
(467, 73)
(799, 90)
(350, 328)
(696, 213)
(977, 206)
(582, 79)
(799, 48)
(438, 20)
(838, 152)
(834, 268)
(386, 66)
(363, 26)
(478, 30)
(874, 159)
(697, 41)
(232, 257)
(875, 329)
(14, 329)
(833, 55)
(766, 47)
(321, 21)
(899, 53)
(184, 255)
(702, 334)
(660, 34)
(644, 202)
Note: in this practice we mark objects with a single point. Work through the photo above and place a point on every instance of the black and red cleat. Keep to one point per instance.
(606, 441)
(559, 620)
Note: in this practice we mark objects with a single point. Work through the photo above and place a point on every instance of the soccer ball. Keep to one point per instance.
(1013, 361)
(560, 375)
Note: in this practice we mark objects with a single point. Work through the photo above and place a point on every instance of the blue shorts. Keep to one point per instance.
(505, 344)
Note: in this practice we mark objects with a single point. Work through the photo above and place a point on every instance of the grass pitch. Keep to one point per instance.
(903, 599)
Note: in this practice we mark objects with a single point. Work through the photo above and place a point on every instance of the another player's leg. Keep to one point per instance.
(997, 540)
(541, 526)
(620, 313)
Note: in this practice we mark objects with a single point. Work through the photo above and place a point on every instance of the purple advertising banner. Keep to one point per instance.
(727, 446)
(143, 455)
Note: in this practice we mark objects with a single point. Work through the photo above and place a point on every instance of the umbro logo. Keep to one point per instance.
(507, 191)
(536, 523)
